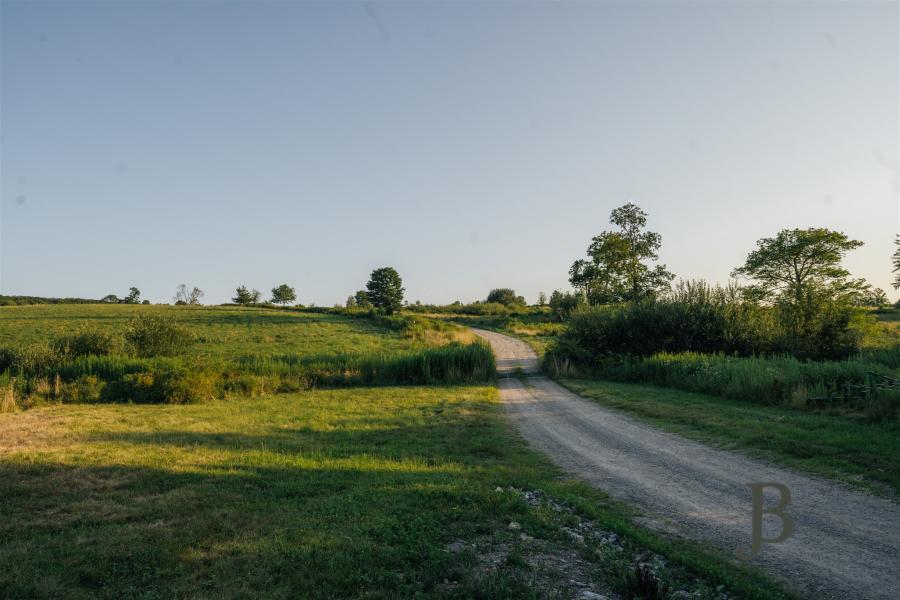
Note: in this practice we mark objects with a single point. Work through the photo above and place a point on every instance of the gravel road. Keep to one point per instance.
(846, 544)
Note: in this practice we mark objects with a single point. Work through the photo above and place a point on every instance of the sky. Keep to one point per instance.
(468, 145)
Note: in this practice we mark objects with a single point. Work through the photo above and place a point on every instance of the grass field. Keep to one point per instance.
(853, 450)
(366, 492)
(214, 352)
(222, 331)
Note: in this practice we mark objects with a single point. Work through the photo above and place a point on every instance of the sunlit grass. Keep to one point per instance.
(330, 493)
(222, 331)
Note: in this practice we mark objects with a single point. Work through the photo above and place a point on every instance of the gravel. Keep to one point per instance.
(846, 543)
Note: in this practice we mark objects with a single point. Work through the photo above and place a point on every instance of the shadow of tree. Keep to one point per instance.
(281, 513)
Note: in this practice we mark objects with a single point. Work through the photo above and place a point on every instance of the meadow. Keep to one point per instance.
(363, 492)
(100, 353)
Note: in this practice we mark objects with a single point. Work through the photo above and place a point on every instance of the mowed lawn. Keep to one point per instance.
(850, 449)
(222, 332)
(327, 493)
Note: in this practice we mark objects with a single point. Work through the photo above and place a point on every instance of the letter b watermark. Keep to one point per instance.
(787, 523)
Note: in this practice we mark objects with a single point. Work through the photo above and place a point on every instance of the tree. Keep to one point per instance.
(797, 262)
(192, 297)
(283, 294)
(896, 260)
(133, 297)
(800, 272)
(505, 296)
(255, 296)
(110, 299)
(385, 289)
(542, 299)
(616, 269)
(562, 304)
(242, 296)
(362, 299)
(351, 302)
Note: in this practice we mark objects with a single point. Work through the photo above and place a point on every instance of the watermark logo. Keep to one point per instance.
(787, 523)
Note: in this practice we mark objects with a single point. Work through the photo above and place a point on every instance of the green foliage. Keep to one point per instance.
(697, 317)
(361, 299)
(616, 269)
(89, 365)
(505, 296)
(150, 335)
(800, 271)
(763, 380)
(172, 384)
(563, 304)
(133, 297)
(33, 360)
(453, 363)
(27, 300)
(242, 296)
(283, 294)
(385, 289)
(86, 342)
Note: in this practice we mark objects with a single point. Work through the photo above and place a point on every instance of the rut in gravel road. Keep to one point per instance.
(846, 543)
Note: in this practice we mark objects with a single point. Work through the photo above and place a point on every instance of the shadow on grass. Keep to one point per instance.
(285, 513)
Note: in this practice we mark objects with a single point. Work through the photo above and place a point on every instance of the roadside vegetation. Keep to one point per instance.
(74, 354)
(363, 492)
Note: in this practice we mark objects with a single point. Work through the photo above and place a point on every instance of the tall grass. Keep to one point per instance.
(764, 380)
(453, 363)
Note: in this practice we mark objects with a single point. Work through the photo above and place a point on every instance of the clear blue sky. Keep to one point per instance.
(468, 145)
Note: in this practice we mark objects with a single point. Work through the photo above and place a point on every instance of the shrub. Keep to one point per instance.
(35, 360)
(85, 389)
(155, 336)
(505, 296)
(174, 384)
(88, 343)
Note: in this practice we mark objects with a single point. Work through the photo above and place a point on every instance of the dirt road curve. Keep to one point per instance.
(846, 544)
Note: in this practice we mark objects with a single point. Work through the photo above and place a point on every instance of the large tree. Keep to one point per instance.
(616, 269)
(800, 272)
(385, 289)
(798, 262)
(283, 294)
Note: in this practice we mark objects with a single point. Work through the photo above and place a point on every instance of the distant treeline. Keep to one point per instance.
(21, 300)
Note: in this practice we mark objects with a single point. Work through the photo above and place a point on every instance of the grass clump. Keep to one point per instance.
(151, 335)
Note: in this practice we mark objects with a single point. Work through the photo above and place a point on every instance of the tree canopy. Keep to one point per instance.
(616, 269)
(797, 262)
(283, 294)
(505, 296)
(242, 296)
(385, 289)
(133, 297)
